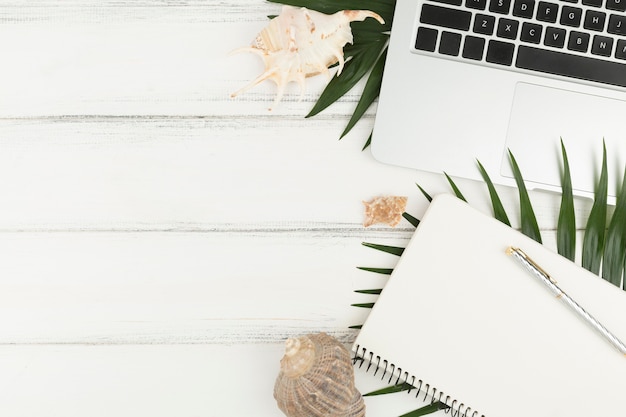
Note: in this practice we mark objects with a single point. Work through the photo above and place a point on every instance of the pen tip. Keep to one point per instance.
(509, 250)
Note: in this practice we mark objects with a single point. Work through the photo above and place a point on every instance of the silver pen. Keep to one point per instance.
(543, 276)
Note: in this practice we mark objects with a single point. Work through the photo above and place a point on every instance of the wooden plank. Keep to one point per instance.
(183, 380)
(168, 288)
(139, 58)
(68, 11)
(224, 286)
(193, 173)
(160, 381)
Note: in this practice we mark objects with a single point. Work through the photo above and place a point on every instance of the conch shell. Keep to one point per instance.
(316, 379)
(301, 43)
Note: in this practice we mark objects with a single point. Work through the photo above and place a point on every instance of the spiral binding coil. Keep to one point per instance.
(455, 409)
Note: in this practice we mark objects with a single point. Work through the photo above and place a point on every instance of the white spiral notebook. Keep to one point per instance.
(464, 322)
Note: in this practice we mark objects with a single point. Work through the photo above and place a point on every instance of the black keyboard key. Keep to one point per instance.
(571, 1)
(547, 12)
(445, 17)
(531, 32)
(617, 25)
(473, 48)
(578, 41)
(571, 16)
(602, 45)
(450, 43)
(501, 6)
(484, 24)
(524, 8)
(476, 4)
(593, 3)
(451, 2)
(426, 39)
(500, 52)
(620, 51)
(594, 20)
(619, 5)
(507, 28)
(555, 37)
(575, 66)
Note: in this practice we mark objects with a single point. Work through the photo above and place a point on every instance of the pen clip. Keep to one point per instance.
(520, 252)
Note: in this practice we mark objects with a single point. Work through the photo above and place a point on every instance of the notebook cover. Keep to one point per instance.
(465, 318)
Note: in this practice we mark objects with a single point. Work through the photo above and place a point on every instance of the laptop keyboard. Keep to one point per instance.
(581, 39)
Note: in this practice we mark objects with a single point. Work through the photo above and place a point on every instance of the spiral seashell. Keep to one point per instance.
(300, 43)
(316, 379)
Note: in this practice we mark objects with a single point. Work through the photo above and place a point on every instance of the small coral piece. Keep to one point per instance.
(300, 43)
(387, 210)
(316, 379)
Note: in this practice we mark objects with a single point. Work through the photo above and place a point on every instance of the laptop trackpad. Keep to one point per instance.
(541, 116)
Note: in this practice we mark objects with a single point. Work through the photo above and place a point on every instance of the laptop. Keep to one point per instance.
(469, 80)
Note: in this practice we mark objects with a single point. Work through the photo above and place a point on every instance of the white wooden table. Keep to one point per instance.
(159, 240)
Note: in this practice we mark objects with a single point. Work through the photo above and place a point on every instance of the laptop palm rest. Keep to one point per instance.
(542, 116)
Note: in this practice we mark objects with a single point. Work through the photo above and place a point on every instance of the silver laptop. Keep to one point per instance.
(468, 80)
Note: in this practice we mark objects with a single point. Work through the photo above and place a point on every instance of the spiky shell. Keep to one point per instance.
(300, 43)
(384, 209)
(316, 379)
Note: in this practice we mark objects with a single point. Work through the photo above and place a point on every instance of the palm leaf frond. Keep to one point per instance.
(369, 94)
(368, 142)
(363, 305)
(394, 250)
(375, 291)
(498, 209)
(428, 196)
(415, 222)
(593, 241)
(566, 225)
(615, 248)
(529, 224)
(384, 271)
(353, 71)
(455, 188)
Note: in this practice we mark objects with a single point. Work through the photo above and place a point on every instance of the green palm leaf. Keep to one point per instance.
(394, 250)
(496, 203)
(384, 271)
(566, 225)
(369, 94)
(593, 242)
(428, 197)
(415, 222)
(368, 142)
(455, 189)
(529, 224)
(374, 291)
(363, 305)
(353, 71)
(615, 249)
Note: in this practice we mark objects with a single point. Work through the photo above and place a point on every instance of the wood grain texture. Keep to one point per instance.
(138, 58)
(156, 380)
(159, 239)
(181, 287)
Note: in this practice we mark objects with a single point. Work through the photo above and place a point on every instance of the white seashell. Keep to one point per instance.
(316, 379)
(301, 43)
